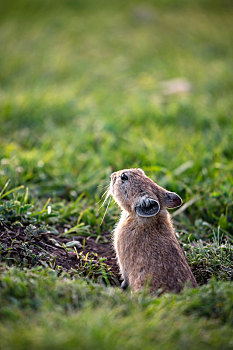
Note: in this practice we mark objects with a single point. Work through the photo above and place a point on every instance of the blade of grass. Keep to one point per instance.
(11, 191)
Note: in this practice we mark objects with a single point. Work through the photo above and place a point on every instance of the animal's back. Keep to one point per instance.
(147, 256)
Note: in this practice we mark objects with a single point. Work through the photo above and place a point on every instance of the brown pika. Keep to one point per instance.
(144, 239)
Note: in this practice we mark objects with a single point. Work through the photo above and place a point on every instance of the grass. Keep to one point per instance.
(86, 316)
(83, 94)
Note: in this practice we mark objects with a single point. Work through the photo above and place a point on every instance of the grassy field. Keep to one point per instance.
(87, 88)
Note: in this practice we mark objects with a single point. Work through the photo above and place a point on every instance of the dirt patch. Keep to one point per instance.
(28, 246)
(32, 246)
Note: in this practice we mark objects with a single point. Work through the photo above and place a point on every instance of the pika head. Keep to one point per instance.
(139, 195)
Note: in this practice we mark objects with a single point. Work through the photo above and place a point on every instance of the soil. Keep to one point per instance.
(16, 248)
(28, 246)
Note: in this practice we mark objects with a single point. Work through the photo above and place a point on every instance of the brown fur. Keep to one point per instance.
(146, 247)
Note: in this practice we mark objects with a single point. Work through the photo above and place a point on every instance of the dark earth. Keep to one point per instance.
(28, 247)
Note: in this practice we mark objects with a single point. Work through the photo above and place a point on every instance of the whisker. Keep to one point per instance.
(107, 195)
(106, 208)
(107, 190)
(105, 199)
(102, 186)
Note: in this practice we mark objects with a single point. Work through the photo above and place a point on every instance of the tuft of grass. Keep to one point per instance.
(209, 259)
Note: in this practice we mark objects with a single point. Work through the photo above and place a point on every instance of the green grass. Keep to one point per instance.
(40, 310)
(82, 95)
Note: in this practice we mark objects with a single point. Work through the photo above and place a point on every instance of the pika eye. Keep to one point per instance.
(124, 177)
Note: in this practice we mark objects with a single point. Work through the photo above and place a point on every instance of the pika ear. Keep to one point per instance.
(147, 207)
(172, 200)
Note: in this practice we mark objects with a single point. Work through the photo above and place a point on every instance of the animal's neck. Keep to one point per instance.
(160, 224)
